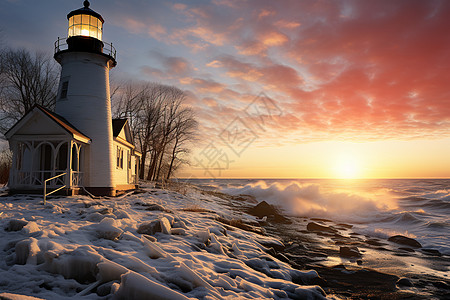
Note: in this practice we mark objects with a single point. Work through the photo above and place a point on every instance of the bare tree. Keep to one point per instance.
(184, 133)
(159, 122)
(25, 80)
(5, 165)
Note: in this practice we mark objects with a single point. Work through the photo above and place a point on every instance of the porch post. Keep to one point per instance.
(69, 166)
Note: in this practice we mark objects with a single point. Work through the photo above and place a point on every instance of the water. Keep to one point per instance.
(417, 208)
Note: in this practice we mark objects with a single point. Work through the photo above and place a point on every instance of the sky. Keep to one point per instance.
(282, 89)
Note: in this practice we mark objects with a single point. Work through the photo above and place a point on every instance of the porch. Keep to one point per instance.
(37, 159)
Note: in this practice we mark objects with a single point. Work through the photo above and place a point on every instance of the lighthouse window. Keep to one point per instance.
(85, 25)
(64, 89)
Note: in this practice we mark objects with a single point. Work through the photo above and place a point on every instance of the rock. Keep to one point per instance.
(264, 209)
(165, 225)
(349, 252)
(404, 282)
(317, 227)
(15, 225)
(359, 262)
(403, 240)
(432, 252)
(150, 227)
(374, 242)
(406, 249)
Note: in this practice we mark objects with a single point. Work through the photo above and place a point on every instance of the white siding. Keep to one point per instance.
(88, 108)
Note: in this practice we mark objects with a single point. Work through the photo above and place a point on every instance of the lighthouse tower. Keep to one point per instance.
(84, 95)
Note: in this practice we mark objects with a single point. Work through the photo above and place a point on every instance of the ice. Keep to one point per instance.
(109, 271)
(27, 251)
(165, 225)
(80, 264)
(9, 296)
(136, 286)
(117, 249)
(107, 229)
(30, 228)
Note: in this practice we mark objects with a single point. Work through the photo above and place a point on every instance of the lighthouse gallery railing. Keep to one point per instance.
(108, 48)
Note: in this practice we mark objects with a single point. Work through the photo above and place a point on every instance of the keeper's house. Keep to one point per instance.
(79, 141)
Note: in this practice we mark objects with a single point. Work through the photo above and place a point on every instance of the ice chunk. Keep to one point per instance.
(121, 214)
(216, 245)
(80, 264)
(178, 231)
(310, 292)
(153, 250)
(135, 286)
(130, 237)
(107, 229)
(203, 235)
(27, 252)
(30, 228)
(165, 225)
(109, 271)
(150, 227)
(236, 250)
(180, 224)
(170, 218)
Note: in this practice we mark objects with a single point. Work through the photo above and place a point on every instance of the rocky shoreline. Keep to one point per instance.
(352, 265)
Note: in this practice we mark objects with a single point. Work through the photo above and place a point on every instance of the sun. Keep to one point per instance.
(347, 167)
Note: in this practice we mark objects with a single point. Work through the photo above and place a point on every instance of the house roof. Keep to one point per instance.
(118, 125)
(62, 122)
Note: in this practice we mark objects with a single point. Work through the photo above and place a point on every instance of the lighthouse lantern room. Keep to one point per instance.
(79, 141)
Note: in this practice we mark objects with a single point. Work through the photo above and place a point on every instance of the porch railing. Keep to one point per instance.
(36, 179)
(77, 178)
(54, 191)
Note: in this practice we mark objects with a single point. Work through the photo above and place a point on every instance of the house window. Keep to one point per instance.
(119, 157)
(64, 89)
(129, 159)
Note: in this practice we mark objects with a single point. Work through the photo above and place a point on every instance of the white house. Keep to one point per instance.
(79, 139)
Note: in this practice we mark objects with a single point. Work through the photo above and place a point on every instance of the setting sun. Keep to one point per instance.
(347, 168)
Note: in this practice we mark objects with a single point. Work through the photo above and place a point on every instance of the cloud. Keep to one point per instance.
(341, 69)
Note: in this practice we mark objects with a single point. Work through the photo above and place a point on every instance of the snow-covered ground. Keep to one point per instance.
(153, 245)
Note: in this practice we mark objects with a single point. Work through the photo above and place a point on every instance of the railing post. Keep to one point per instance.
(45, 191)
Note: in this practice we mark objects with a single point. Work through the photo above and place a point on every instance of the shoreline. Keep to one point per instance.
(188, 241)
(385, 270)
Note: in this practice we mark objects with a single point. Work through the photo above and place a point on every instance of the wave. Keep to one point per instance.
(309, 200)
(406, 218)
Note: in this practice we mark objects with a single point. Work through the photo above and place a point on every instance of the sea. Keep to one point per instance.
(417, 208)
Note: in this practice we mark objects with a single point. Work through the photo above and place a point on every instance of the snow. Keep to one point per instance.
(141, 246)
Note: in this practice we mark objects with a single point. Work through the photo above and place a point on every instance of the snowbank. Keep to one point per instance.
(143, 246)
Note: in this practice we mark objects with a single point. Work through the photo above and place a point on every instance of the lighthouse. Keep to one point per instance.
(78, 147)
(84, 95)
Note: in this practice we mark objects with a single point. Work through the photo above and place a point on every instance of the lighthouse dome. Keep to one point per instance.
(85, 22)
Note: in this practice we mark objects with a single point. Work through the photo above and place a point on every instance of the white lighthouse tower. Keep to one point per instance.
(84, 95)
